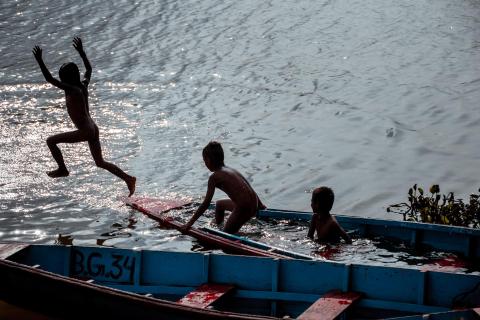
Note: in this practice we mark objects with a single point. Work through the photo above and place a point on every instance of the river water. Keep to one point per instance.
(367, 97)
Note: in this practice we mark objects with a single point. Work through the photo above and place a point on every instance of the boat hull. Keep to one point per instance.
(80, 282)
(69, 298)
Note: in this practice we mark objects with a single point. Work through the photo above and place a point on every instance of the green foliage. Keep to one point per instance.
(439, 208)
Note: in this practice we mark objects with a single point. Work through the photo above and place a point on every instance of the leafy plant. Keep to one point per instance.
(439, 208)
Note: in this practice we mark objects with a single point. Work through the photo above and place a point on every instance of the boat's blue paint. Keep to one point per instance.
(257, 244)
(291, 284)
(448, 238)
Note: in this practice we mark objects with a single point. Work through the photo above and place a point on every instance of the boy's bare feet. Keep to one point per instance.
(131, 185)
(58, 173)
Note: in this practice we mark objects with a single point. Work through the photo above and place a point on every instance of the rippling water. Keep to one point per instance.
(368, 97)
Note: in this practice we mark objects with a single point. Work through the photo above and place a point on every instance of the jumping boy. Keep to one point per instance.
(243, 203)
(76, 96)
(326, 226)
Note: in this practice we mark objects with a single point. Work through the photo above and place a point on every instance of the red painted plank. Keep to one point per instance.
(156, 205)
(330, 305)
(205, 295)
(8, 249)
(154, 209)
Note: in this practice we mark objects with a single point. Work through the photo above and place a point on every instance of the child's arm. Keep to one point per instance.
(313, 226)
(77, 44)
(37, 53)
(204, 206)
(343, 234)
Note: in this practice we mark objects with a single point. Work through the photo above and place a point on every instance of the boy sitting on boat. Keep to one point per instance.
(326, 226)
(243, 203)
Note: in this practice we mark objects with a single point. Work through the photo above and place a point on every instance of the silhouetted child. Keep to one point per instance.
(326, 226)
(243, 203)
(76, 96)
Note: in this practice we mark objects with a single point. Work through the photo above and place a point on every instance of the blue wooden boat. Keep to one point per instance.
(465, 241)
(93, 282)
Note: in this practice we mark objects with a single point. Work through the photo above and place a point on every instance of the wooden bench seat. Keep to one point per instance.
(205, 295)
(330, 305)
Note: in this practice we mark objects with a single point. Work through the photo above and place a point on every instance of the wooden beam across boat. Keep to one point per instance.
(330, 306)
(156, 208)
(205, 295)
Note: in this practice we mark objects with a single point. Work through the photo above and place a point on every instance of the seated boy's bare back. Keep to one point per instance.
(328, 229)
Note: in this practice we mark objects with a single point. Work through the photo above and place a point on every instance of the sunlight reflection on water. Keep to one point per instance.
(365, 97)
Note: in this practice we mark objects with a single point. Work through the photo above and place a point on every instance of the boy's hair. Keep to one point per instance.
(324, 197)
(213, 151)
(69, 73)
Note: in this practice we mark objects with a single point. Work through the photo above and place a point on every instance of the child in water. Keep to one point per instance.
(76, 96)
(326, 226)
(243, 203)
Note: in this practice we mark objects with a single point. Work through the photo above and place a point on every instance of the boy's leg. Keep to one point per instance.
(220, 207)
(67, 137)
(96, 150)
(237, 219)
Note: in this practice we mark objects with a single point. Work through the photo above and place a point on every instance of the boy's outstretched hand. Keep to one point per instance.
(37, 53)
(77, 44)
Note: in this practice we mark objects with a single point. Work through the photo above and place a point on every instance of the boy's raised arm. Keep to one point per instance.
(37, 53)
(77, 44)
(204, 206)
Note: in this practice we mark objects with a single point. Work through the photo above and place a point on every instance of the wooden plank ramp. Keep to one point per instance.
(155, 209)
(330, 305)
(8, 249)
(205, 295)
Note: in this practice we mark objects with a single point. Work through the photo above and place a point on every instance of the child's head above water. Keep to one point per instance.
(213, 155)
(322, 200)
(69, 73)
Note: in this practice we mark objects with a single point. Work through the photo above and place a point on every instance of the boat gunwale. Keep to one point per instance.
(303, 215)
(126, 294)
